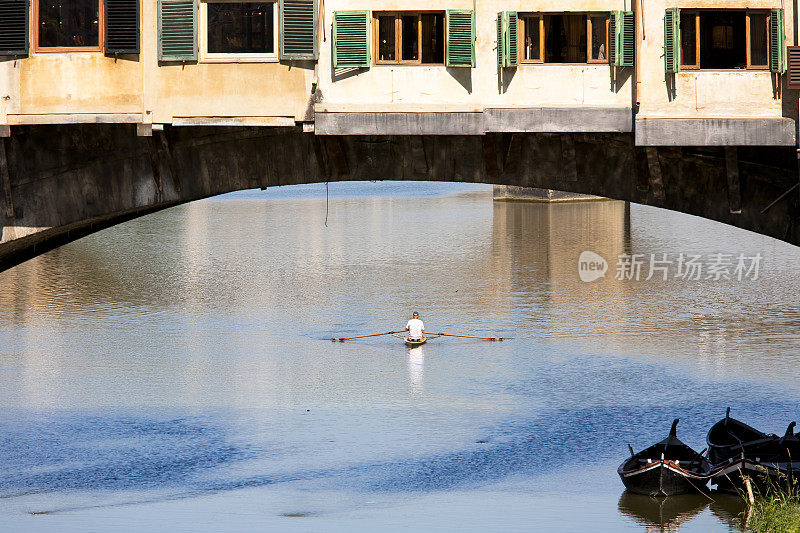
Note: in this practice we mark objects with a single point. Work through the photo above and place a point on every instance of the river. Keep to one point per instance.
(175, 372)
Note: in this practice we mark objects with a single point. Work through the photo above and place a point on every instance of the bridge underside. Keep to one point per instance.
(59, 183)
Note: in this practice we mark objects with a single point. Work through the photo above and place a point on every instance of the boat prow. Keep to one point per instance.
(415, 342)
(666, 468)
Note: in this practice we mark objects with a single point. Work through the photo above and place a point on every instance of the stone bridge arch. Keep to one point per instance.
(61, 183)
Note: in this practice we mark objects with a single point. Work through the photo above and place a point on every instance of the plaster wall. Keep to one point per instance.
(409, 88)
(65, 87)
(706, 93)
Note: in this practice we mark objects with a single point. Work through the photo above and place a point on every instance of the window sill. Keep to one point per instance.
(409, 64)
(604, 63)
(762, 70)
(238, 59)
(69, 50)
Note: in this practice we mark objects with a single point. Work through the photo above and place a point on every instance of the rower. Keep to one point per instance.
(415, 327)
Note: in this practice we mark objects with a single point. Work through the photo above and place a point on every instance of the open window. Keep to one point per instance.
(68, 25)
(563, 38)
(238, 31)
(405, 37)
(724, 39)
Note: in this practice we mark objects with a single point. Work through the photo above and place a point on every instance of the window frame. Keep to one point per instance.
(522, 22)
(747, 13)
(61, 49)
(696, 14)
(398, 38)
(204, 56)
(589, 16)
(749, 46)
(539, 15)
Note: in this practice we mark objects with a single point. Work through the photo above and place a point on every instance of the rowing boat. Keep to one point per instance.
(412, 343)
(666, 468)
(738, 451)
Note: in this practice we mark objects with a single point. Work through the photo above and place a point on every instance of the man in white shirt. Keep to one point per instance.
(415, 327)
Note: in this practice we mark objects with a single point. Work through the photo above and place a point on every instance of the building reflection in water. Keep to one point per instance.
(536, 247)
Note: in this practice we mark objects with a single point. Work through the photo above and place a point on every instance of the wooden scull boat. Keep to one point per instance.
(666, 468)
(413, 343)
(738, 450)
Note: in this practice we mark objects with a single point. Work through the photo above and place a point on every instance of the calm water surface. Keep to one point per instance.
(173, 373)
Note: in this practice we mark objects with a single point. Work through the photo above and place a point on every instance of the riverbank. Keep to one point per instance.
(776, 511)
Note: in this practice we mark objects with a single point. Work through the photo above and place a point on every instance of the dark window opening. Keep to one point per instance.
(433, 38)
(241, 28)
(599, 32)
(69, 23)
(410, 25)
(758, 39)
(722, 40)
(408, 37)
(532, 43)
(689, 39)
(386, 39)
(565, 38)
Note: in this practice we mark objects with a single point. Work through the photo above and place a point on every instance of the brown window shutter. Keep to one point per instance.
(793, 67)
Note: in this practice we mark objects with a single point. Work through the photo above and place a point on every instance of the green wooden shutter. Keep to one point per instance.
(622, 39)
(613, 38)
(627, 45)
(298, 29)
(507, 38)
(121, 32)
(351, 39)
(672, 40)
(777, 42)
(500, 40)
(460, 39)
(13, 27)
(177, 30)
(511, 40)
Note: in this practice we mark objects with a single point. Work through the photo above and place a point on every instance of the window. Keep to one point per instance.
(409, 38)
(724, 39)
(238, 31)
(68, 25)
(564, 38)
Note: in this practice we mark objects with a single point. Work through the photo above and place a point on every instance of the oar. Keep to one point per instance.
(342, 339)
(469, 336)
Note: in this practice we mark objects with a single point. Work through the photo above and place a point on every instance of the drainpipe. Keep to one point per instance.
(638, 17)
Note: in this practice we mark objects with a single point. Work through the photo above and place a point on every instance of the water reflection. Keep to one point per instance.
(416, 368)
(672, 513)
(213, 313)
(662, 514)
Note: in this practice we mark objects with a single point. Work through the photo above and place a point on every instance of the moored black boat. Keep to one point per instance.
(737, 450)
(666, 468)
(728, 438)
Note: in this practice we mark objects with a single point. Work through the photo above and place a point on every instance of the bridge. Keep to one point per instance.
(148, 104)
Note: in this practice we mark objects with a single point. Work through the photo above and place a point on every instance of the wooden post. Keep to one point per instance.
(655, 180)
(568, 157)
(734, 190)
(490, 157)
(336, 151)
(5, 179)
(165, 153)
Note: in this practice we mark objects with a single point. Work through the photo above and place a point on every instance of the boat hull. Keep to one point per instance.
(412, 343)
(730, 477)
(662, 478)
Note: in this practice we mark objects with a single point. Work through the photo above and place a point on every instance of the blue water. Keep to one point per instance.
(175, 373)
